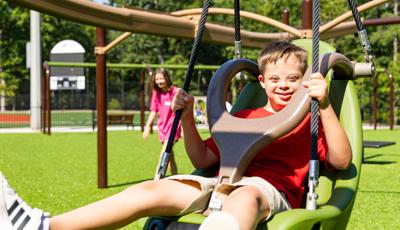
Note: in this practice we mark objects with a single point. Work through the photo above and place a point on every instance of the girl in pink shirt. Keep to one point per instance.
(163, 92)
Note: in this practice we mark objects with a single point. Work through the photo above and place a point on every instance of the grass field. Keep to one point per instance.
(59, 172)
(377, 203)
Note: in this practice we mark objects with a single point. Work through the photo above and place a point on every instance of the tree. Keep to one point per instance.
(142, 48)
(14, 32)
(14, 24)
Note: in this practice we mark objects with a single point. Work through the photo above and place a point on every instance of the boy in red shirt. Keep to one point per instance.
(272, 183)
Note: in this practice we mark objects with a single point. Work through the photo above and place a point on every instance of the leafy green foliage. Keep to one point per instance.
(14, 32)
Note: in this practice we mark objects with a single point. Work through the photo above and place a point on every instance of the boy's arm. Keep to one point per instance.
(339, 150)
(198, 152)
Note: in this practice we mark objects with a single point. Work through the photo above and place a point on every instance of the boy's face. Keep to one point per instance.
(280, 80)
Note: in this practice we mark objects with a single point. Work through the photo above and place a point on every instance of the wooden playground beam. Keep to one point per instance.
(349, 27)
(141, 21)
(101, 107)
(243, 14)
(162, 24)
(349, 14)
(115, 42)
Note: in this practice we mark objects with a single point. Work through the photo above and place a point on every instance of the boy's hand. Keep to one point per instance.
(183, 100)
(318, 89)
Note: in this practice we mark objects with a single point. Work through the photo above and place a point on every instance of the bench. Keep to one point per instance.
(375, 145)
(118, 119)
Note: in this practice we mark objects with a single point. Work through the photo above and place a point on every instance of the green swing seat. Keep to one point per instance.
(336, 189)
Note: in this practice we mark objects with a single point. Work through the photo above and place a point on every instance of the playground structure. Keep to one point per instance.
(183, 24)
(145, 72)
(101, 126)
(137, 21)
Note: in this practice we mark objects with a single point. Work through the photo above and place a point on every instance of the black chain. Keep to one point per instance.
(189, 74)
(356, 15)
(237, 19)
(315, 69)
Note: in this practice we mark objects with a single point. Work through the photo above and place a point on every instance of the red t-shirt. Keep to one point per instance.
(284, 163)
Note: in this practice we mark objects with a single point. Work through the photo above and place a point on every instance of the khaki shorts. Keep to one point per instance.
(277, 200)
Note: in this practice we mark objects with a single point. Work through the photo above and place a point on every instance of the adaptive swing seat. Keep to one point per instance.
(336, 189)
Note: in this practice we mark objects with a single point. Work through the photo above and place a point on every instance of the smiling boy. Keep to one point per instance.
(274, 179)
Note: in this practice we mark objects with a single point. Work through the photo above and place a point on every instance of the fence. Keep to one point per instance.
(76, 107)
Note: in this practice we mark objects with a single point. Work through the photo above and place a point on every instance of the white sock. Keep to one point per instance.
(220, 220)
(45, 221)
(15, 213)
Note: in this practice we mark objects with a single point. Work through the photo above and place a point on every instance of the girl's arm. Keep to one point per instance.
(199, 154)
(149, 122)
(339, 150)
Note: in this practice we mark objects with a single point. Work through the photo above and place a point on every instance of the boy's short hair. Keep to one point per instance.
(278, 50)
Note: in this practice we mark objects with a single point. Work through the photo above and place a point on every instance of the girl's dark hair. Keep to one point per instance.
(166, 75)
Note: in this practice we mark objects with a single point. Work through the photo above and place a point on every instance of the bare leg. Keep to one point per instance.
(247, 205)
(163, 197)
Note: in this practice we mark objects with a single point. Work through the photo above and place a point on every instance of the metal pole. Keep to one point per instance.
(2, 81)
(142, 73)
(395, 49)
(48, 101)
(35, 71)
(46, 118)
(395, 38)
(374, 95)
(101, 105)
(87, 75)
(306, 7)
(285, 16)
(43, 114)
(148, 92)
(391, 101)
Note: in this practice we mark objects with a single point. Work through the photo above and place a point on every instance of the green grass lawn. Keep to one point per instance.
(377, 203)
(85, 117)
(58, 173)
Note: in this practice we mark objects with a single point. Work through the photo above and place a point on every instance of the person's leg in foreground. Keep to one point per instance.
(163, 197)
(246, 206)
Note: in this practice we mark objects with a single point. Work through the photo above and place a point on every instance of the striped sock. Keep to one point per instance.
(15, 213)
